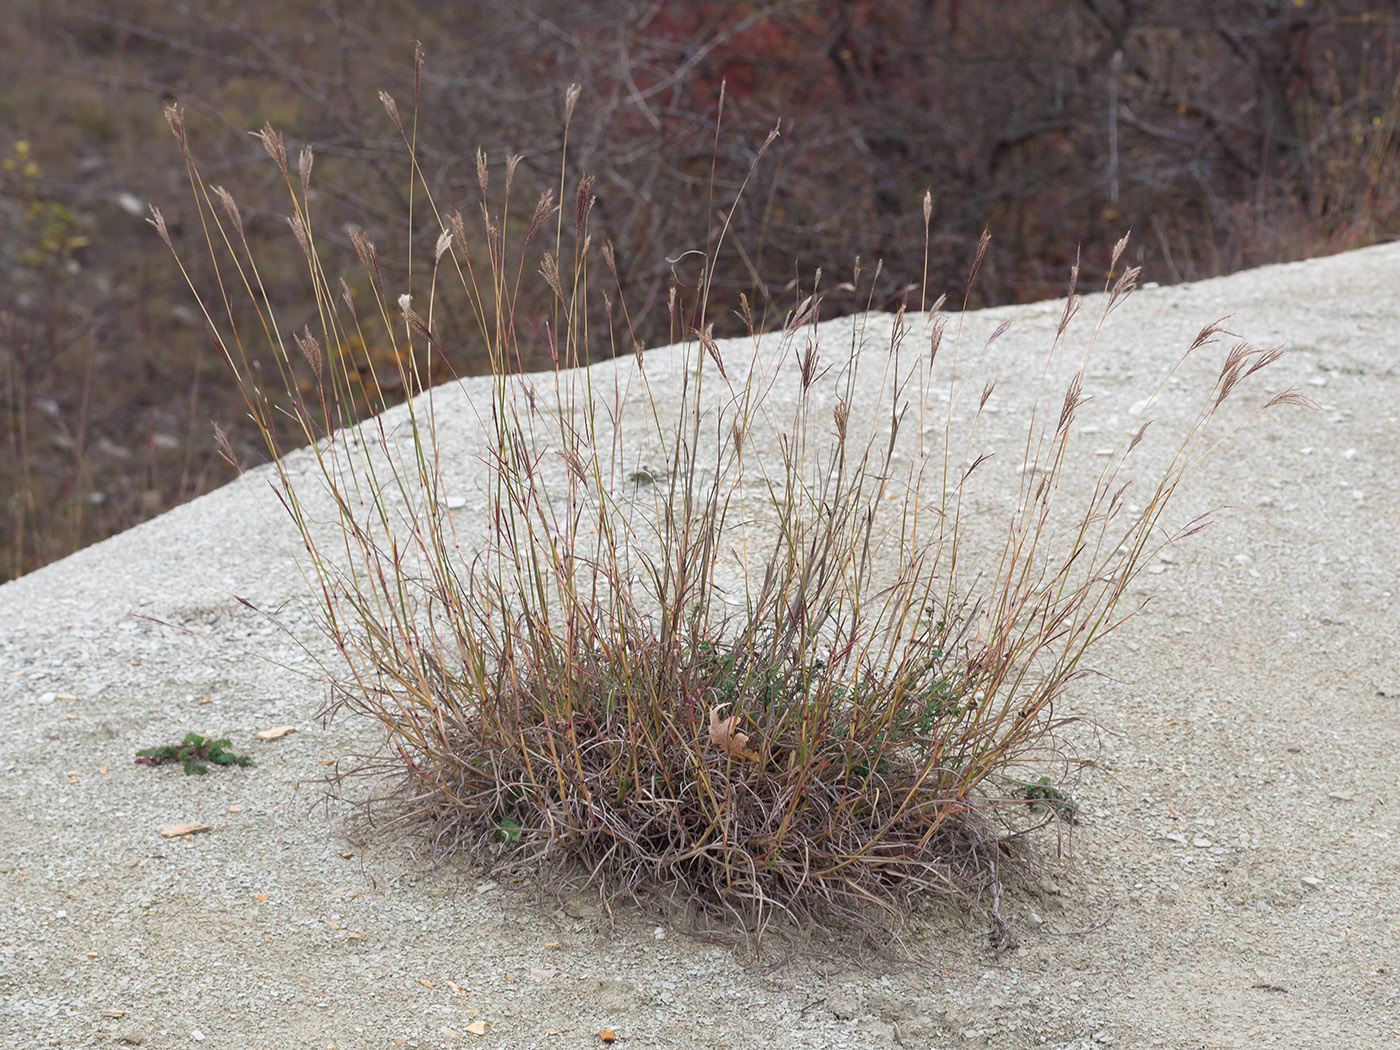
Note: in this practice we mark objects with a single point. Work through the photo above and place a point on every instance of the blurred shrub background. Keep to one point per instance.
(1225, 135)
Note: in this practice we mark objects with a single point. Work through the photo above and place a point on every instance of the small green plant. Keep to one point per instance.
(193, 752)
(1045, 797)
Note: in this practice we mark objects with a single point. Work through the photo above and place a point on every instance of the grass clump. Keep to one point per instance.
(193, 753)
(709, 624)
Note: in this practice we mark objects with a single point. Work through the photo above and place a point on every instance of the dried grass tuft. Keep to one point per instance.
(753, 687)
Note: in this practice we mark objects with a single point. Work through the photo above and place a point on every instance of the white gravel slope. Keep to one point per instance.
(1239, 861)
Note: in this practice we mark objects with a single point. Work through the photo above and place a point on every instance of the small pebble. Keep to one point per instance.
(1311, 882)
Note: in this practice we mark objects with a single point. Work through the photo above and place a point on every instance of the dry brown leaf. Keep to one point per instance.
(425, 982)
(399, 1040)
(173, 831)
(113, 1013)
(607, 1035)
(275, 733)
(455, 989)
(724, 735)
(477, 1028)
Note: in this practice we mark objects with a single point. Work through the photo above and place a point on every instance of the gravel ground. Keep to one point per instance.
(1235, 881)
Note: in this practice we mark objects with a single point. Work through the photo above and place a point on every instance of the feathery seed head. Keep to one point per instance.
(392, 108)
(273, 143)
(304, 161)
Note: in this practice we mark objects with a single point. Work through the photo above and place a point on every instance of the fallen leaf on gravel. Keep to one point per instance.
(134, 1038)
(172, 831)
(113, 1013)
(235, 808)
(541, 975)
(447, 1031)
(275, 733)
(477, 1028)
(607, 1035)
(346, 854)
(455, 989)
(399, 1040)
(425, 982)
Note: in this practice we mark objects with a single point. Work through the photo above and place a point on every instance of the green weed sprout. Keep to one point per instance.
(193, 752)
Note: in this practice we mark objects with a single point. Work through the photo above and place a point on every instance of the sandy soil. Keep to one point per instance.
(1235, 881)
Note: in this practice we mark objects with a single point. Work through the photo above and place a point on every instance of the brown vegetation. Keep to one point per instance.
(1224, 135)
